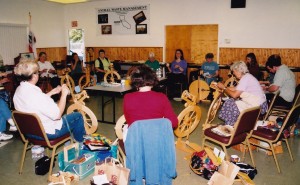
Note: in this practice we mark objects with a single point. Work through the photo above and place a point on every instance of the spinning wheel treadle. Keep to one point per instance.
(89, 118)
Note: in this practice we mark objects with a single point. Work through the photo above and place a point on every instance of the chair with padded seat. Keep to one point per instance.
(272, 137)
(242, 131)
(270, 107)
(29, 124)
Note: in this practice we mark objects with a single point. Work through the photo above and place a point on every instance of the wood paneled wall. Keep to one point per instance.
(289, 57)
(54, 54)
(194, 40)
(128, 53)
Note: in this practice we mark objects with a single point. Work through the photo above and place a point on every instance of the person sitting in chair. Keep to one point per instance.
(29, 98)
(47, 70)
(152, 62)
(76, 68)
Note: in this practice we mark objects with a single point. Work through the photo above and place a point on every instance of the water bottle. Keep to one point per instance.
(95, 76)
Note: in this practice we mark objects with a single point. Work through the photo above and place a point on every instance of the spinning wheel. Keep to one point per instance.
(67, 79)
(89, 118)
(86, 81)
(213, 109)
(111, 75)
(188, 120)
(200, 89)
(119, 126)
(231, 82)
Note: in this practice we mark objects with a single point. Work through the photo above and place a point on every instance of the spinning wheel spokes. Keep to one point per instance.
(89, 118)
(188, 119)
(111, 76)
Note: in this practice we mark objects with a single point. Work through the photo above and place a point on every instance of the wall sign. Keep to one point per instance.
(125, 20)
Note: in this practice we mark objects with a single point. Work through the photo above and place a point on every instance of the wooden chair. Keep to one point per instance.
(272, 137)
(242, 131)
(30, 124)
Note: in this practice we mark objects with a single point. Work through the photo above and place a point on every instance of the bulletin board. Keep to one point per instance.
(123, 20)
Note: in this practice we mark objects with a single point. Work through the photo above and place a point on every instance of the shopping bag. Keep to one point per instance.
(115, 172)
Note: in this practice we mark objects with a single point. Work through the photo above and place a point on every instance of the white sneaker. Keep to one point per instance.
(13, 129)
(4, 137)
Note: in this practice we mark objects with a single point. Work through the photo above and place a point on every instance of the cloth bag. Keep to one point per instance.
(42, 165)
(115, 172)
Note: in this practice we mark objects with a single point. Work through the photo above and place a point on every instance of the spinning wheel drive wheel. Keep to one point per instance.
(84, 83)
(200, 89)
(111, 76)
(188, 120)
(231, 82)
(89, 118)
(119, 126)
(63, 80)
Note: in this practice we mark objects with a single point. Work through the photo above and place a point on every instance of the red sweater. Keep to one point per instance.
(148, 105)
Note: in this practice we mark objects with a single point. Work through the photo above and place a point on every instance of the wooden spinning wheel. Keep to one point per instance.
(67, 79)
(200, 89)
(87, 79)
(111, 75)
(89, 118)
(119, 126)
(213, 109)
(188, 120)
(231, 82)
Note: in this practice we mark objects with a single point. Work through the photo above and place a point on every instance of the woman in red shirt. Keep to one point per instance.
(145, 103)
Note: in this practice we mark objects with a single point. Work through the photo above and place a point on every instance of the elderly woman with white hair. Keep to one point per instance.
(29, 98)
(247, 94)
(152, 62)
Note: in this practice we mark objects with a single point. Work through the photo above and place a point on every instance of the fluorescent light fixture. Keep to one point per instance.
(68, 1)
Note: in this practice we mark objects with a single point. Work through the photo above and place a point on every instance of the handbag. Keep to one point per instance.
(42, 165)
(247, 169)
(115, 172)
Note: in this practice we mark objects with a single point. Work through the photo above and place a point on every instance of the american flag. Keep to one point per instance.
(31, 39)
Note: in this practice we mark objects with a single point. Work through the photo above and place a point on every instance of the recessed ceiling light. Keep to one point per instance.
(68, 1)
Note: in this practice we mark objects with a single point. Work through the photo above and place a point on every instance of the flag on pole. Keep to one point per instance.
(31, 39)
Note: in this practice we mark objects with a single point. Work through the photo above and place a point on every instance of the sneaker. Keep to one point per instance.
(13, 129)
(4, 137)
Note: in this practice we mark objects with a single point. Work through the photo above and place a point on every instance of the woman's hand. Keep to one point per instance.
(65, 90)
(56, 90)
(221, 86)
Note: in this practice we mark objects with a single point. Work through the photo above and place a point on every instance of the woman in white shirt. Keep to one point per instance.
(30, 99)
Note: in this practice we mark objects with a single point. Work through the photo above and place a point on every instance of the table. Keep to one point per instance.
(113, 92)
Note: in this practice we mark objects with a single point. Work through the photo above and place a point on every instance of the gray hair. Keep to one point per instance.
(151, 54)
(239, 66)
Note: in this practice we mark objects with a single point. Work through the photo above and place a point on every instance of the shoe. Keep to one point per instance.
(13, 129)
(4, 137)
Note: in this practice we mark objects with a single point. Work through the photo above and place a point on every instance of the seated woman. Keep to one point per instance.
(253, 66)
(247, 94)
(145, 103)
(101, 65)
(30, 99)
(178, 71)
(152, 62)
(76, 68)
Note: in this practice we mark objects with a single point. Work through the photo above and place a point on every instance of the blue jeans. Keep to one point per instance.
(71, 122)
(5, 114)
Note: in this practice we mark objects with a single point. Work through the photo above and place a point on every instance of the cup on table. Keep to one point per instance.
(234, 158)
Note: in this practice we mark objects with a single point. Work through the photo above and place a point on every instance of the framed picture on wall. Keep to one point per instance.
(102, 18)
(141, 29)
(139, 17)
(106, 29)
(27, 56)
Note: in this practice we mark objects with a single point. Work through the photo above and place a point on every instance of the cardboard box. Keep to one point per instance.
(226, 174)
(241, 147)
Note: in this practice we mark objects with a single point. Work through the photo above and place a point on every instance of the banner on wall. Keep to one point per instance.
(123, 20)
